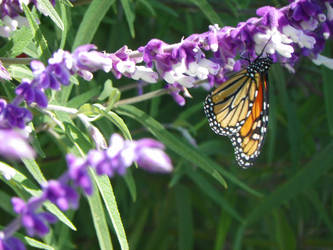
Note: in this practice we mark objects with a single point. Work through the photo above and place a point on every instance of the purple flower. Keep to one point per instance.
(78, 173)
(31, 93)
(17, 116)
(61, 194)
(14, 145)
(87, 58)
(183, 63)
(115, 159)
(99, 161)
(120, 154)
(150, 156)
(11, 243)
(34, 223)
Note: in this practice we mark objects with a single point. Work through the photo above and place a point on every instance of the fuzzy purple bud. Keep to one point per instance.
(11, 243)
(61, 194)
(151, 157)
(78, 172)
(34, 223)
(14, 145)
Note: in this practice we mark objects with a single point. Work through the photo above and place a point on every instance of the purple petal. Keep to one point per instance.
(148, 142)
(50, 218)
(11, 243)
(19, 205)
(4, 74)
(26, 90)
(154, 160)
(40, 98)
(14, 145)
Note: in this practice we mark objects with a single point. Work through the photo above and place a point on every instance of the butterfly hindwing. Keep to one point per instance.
(248, 141)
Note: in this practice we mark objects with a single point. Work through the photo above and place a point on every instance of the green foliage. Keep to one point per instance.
(284, 201)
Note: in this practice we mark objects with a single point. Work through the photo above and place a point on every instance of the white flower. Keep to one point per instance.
(126, 66)
(229, 66)
(213, 40)
(299, 37)
(323, 60)
(329, 11)
(173, 77)
(310, 25)
(177, 75)
(274, 40)
(9, 26)
(202, 68)
(212, 67)
(196, 70)
(145, 73)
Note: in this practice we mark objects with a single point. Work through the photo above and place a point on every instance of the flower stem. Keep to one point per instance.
(14, 226)
(143, 97)
(62, 108)
(8, 61)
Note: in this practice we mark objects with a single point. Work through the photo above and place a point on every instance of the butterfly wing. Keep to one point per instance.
(239, 109)
(229, 105)
(248, 141)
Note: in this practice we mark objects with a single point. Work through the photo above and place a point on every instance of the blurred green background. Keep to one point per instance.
(283, 202)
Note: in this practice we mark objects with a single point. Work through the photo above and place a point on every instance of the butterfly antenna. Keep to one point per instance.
(263, 49)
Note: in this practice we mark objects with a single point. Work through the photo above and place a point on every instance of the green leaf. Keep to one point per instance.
(48, 10)
(38, 36)
(209, 11)
(223, 228)
(83, 98)
(20, 38)
(64, 16)
(164, 7)
(107, 90)
(328, 90)
(37, 244)
(105, 188)
(113, 95)
(81, 141)
(272, 125)
(129, 179)
(302, 180)
(321, 211)
(33, 50)
(5, 203)
(214, 194)
(130, 16)
(138, 230)
(185, 150)
(148, 6)
(305, 178)
(18, 72)
(289, 108)
(99, 219)
(118, 121)
(91, 21)
(34, 170)
(35, 142)
(284, 233)
(185, 220)
(21, 181)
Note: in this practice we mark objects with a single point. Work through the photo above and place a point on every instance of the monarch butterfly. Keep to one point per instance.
(239, 109)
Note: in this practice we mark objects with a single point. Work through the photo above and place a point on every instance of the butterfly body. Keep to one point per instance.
(239, 109)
